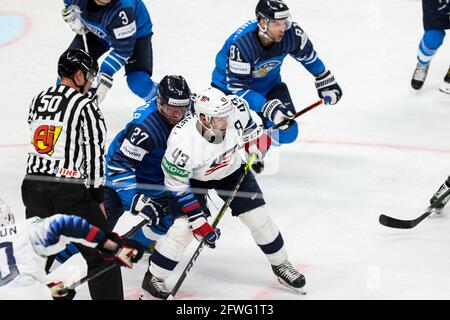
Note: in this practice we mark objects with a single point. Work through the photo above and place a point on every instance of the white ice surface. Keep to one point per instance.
(383, 149)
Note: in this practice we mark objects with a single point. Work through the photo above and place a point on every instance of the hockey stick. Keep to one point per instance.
(409, 224)
(214, 224)
(88, 278)
(83, 34)
(230, 198)
(296, 115)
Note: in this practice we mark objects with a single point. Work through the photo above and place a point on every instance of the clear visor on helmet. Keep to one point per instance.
(285, 22)
(91, 74)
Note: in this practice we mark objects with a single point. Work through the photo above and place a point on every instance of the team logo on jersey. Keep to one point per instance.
(45, 138)
(222, 161)
(264, 68)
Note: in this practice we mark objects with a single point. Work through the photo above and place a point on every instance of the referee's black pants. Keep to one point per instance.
(44, 196)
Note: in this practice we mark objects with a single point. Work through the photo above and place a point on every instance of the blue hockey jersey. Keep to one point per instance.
(133, 163)
(118, 24)
(246, 68)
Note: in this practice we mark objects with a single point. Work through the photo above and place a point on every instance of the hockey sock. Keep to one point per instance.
(430, 43)
(266, 234)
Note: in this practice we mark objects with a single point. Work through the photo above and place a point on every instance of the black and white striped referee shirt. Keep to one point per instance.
(68, 135)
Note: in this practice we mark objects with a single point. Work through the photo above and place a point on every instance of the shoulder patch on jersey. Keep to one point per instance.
(125, 31)
(132, 151)
(239, 67)
(173, 169)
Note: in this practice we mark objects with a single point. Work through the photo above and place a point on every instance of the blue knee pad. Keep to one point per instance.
(141, 84)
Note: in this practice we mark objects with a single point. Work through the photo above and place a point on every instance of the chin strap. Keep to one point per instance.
(263, 31)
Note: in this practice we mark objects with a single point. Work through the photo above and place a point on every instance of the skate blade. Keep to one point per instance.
(144, 295)
(301, 290)
(445, 88)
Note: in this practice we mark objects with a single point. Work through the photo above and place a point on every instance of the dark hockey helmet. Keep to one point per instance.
(174, 91)
(76, 59)
(272, 9)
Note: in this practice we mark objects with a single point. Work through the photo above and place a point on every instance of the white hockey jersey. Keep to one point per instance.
(24, 248)
(190, 156)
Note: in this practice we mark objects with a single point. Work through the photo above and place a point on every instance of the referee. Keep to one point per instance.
(65, 170)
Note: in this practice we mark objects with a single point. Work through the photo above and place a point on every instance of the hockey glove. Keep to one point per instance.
(126, 253)
(148, 209)
(258, 146)
(105, 83)
(208, 234)
(277, 112)
(197, 219)
(60, 292)
(327, 88)
(71, 16)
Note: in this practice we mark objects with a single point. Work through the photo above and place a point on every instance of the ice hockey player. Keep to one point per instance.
(443, 188)
(122, 28)
(249, 65)
(24, 248)
(135, 180)
(202, 153)
(436, 19)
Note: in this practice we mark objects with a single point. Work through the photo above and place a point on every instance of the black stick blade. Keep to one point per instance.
(396, 223)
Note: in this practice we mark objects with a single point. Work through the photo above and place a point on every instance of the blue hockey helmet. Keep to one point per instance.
(272, 9)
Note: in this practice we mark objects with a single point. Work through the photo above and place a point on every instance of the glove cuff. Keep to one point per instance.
(108, 254)
(204, 229)
(269, 107)
(324, 79)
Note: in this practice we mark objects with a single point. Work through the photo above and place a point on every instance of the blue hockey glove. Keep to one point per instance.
(276, 111)
(327, 88)
(147, 208)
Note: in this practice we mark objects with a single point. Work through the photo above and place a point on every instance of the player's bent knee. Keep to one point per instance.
(433, 39)
(287, 136)
(181, 232)
(256, 219)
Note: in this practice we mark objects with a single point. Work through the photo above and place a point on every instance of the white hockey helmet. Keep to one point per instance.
(213, 103)
(6, 216)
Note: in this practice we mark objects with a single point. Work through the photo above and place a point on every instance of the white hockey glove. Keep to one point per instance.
(105, 83)
(147, 209)
(59, 291)
(277, 112)
(71, 16)
(327, 88)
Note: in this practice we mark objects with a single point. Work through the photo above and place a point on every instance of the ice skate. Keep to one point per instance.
(420, 75)
(445, 87)
(153, 287)
(290, 277)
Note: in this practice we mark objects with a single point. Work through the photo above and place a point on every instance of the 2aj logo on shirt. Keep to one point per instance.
(45, 138)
